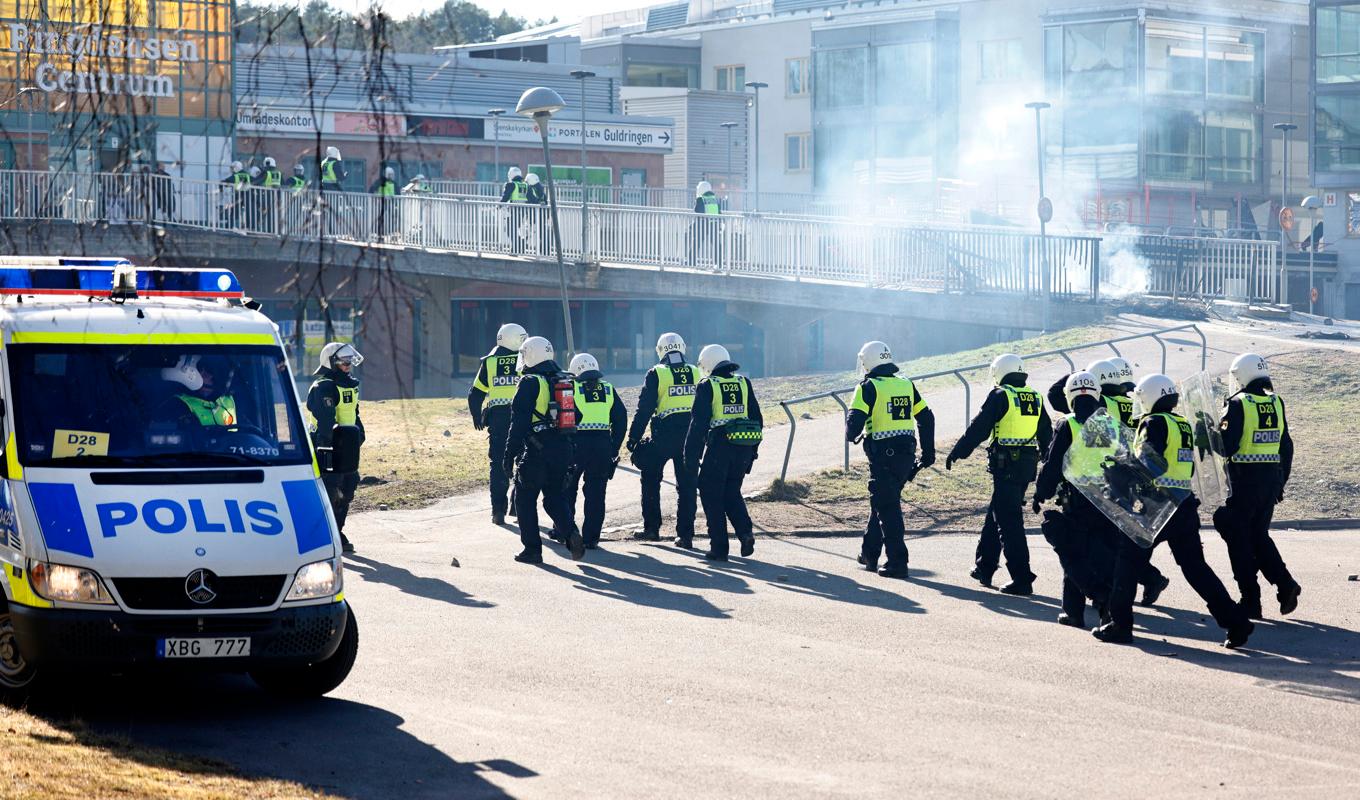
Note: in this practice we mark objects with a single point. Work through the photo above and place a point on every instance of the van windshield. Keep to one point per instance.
(154, 406)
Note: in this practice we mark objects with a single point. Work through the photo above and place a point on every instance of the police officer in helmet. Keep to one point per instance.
(724, 435)
(489, 401)
(538, 451)
(1014, 417)
(1165, 443)
(205, 398)
(334, 400)
(665, 403)
(888, 414)
(602, 425)
(1260, 456)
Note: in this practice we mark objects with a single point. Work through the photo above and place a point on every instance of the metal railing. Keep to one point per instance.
(1188, 266)
(881, 254)
(836, 394)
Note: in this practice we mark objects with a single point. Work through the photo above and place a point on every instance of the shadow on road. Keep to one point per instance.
(347, 749)
(593, 579)
(412, 584)
(1035, 607)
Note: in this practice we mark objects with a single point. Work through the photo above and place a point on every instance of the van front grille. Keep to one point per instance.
(170, 594)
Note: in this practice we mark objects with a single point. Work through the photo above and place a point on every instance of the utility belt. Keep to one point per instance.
(1017, 461)
(743, 432)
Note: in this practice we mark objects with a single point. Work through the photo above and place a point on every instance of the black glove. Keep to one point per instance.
(477, 422)
(949, 462)
(927, 459)
(1034, 506)
(632, 445)
(1279, 498)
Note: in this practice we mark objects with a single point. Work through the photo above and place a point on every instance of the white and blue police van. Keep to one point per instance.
(160, 504)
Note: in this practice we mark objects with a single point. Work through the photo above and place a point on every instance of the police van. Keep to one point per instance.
(160, 504)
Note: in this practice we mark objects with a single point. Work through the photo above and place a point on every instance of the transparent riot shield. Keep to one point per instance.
(1108, 472)
(1202, 403)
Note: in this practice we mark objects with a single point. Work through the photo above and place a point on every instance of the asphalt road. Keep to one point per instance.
(644, 672)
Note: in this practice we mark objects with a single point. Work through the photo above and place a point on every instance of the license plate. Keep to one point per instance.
(217, 647)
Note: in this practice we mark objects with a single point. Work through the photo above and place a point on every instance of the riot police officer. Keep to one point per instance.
(724, 434)
(599, 434)
(334, 400)
(889, 414)
(1014, 416)
(665, 403)
(1165, 443)
(539, 450)
(1260, 456)
(489, 403)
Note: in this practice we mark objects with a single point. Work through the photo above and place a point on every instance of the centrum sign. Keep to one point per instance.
(76, 45)
(630, 137)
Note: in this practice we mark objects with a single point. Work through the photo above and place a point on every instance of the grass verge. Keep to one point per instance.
(38, 759)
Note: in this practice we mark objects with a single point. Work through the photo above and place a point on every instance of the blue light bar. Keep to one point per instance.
(94, 277)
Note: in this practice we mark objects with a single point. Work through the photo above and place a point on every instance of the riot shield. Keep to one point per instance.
(1108, 472)
(1202, 402)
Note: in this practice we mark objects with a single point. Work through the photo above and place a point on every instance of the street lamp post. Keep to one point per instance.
(1284, 128)
(582, 75)
(1045, 210)
(539, 104)
(1313, 204)
(729, 126)
(756, 86)
(495, 114)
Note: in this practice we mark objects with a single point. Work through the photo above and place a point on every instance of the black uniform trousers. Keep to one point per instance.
(498, 430)
(340, 488)
(1013, 469)
(720, 476)
(1244, 524)
(668, 446)
(891, 462)
(1085, 543)
(594, 463)
(1182, 535)
(545, 471)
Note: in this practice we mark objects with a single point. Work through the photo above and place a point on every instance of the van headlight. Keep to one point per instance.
(59, 582)
(318, 579)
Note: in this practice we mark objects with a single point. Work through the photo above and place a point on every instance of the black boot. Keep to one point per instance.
(748, 546)
(1113, 633)
(1238, 634)
(900, 572)
(871, 566)
(497, 517)
(981, 576)
(345, 545)
(1018, 588)
(684, 542)
(575, 544)
(1251, 606)
(648, 535)
(1289, 598)
(1154, 590)
(1072, 620)
(529, 558)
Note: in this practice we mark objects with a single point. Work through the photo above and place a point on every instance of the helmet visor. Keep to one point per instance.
(347, 356)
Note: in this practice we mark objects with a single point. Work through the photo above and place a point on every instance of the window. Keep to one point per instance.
(1338, 44)
(841, 78)
(732, 79)
(903, 74)
(797, 152)
(1230, 147)
(1235, 63)
(1352, 214)
(1175, 145)
(796, 74)
(671, 75)
(1099, 58)
(1337, 135)
(1000, 61)
(1175, 58)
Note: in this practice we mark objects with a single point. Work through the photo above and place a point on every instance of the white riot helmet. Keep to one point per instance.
(299, 170)
(1107, 374)
(669, 343)
(1005, 364)
(711, 357)
(512, 173)
(254, 172)
(873, 355)
(1125, 370)
(583, 363)
(419, 178)
(236, 166)
(269, 162)
(531, 179)
(1246, 368)
(533, 352)
(1151, 389)
(511, 336)
(333, 152)
(185, 373)
(702, 188)
(337, 353)
(1081, 384)
(390, 173)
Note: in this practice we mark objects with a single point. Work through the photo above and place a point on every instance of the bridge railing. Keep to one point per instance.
(878, 253)
(1201, 267)
(1063, 352)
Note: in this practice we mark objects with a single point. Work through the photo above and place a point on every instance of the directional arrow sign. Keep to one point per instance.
(665, 137)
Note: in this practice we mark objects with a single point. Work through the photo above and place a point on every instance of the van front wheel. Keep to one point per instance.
(314, 680)
(17, 676)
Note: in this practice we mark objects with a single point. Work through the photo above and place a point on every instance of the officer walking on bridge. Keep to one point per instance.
(334, 400)
(1014, 416)
(724, 435)
(599, 434)
(888, 413)
(1260, 457)
(489, 401)
(665, 403)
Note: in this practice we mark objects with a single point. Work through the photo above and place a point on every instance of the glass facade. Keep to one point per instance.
(113, 75)
(1198, 89)
(1336, 64)
(1338, 44)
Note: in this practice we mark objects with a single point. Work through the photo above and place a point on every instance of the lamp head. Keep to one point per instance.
(539, 101)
